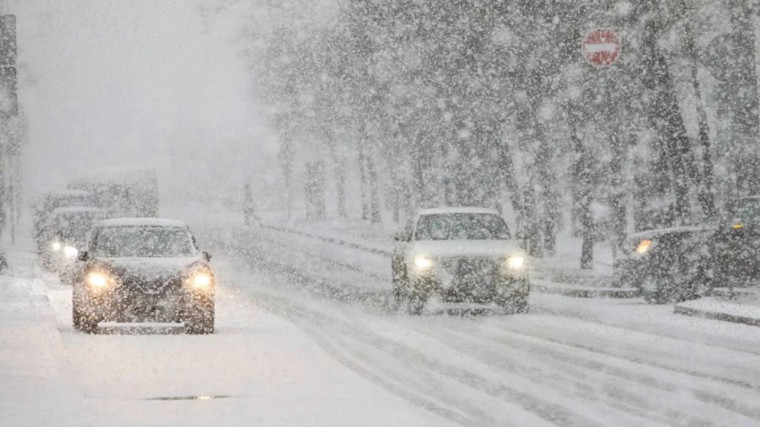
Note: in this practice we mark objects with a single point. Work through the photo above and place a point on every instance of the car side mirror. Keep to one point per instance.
(401, 236)
(206, 256)
(83, 256)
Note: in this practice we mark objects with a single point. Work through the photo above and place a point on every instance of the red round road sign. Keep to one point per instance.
(601, 48)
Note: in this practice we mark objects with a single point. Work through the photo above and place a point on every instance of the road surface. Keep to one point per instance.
(305, 337)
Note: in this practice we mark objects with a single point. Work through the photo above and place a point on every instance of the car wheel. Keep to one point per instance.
(651, 290)
(87, 323)
(83, 321)
(655, 290)
(416, 303)
(400, 283)
(76, 316)
(200, 321)
(518, 305)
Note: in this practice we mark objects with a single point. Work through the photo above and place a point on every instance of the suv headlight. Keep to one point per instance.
(200, 280)
(70, 251)
(515, 262)
(56, 246)
(423, 263)
(98, 280)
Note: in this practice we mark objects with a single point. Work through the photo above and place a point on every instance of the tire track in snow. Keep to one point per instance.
(547, 410)
(587, 365)
(562, 313)
(358, 294)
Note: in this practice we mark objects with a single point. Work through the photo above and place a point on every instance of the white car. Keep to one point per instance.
(462, 255)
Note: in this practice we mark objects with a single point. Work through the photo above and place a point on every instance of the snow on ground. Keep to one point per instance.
(571, 362)
(287, 353)
(36, 390)
(257, 370)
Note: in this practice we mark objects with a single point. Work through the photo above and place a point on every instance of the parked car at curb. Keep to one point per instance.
(143, 270)
(460, 255)
(736, 248)
(668, 265)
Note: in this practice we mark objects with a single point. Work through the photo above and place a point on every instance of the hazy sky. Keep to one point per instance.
(108, 82)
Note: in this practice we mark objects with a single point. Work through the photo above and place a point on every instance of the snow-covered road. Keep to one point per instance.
(571, 362)
(304, 338)
(259, 369)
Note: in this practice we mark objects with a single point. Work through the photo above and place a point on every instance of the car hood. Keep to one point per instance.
(151, 269)
(465, 248)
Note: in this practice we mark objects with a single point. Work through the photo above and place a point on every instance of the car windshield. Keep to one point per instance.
(143, 241)
(461, 226)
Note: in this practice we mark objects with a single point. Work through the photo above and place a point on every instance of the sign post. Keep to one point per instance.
(601, 48)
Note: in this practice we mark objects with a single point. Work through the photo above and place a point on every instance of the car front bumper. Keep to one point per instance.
(478, 281)
(132, 305)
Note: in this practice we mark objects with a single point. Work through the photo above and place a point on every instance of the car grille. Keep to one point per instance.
(472, 269)
(149, 287)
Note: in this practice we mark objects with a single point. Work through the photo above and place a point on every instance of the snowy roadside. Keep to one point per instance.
(744, 310)
(36, 389)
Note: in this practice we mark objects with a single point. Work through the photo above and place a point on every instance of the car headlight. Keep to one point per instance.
(70, 251)
(516, 262)
(643, 246)
(98, 280)
(422, 262)
(56, 246)
(201, 280)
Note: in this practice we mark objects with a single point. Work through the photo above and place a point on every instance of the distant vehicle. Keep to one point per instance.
(50, 201)
(462, 255)
(668, 265)
(122, 192)
(143, 269)
(736, 249)
(69, 229)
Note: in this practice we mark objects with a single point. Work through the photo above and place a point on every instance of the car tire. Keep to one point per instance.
(76, 316)
(651, 290)
(517, 305)
(86, 323)
(82, 321)
(416, 303)
(400, 283)
(654, 291)
(200, 321)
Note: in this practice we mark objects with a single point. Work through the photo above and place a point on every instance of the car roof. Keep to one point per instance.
(745, 198)
(452, 210)
(65, 192)
(77, 209)
(648, 234)
(141, 222)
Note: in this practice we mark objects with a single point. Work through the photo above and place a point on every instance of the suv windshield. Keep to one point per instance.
(143, 241)
(461, 226)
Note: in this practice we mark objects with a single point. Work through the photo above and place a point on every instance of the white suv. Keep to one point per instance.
(460, 255)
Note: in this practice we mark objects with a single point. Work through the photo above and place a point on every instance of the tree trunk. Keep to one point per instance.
(363, 182)
(705, 190)
(374, 198)
(665, 118)
(582, 177)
